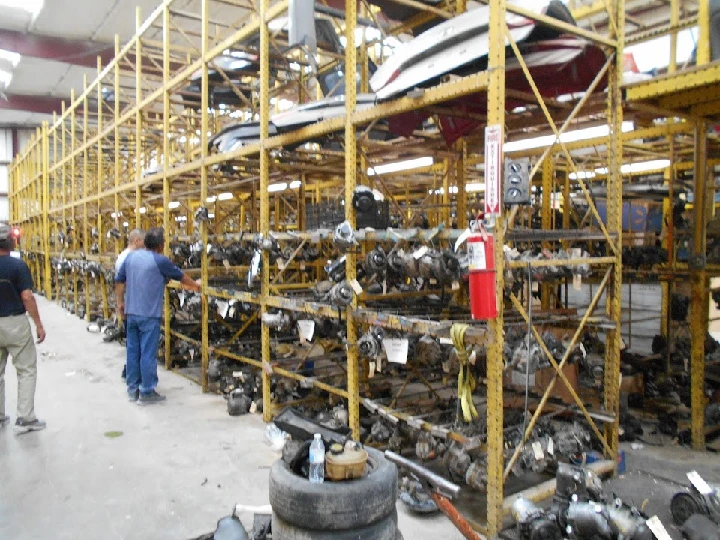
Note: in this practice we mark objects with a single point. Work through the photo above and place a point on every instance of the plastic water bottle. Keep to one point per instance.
(317, 460)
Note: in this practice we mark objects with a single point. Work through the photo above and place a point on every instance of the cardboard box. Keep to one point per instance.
(540, 380)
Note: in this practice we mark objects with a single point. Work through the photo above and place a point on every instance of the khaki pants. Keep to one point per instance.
(17, 341)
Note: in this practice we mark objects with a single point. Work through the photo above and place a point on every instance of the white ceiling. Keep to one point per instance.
(22, 118)
(95, 20)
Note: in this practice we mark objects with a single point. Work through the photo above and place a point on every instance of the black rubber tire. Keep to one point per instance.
(385, 529)
(335, 506)
(682, 506)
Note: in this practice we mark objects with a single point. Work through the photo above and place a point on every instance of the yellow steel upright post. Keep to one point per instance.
(86, 189)
(204, 104)
(703, 44)
(67, 279)
(265, 200)
(45, 241)
(353, 383)
(495, 438)
(548, 174)
(669, 230)
(166, 180)
(460, 172)
(100, 178)
(614, 226)
(699, 301)
(116, 136)
(138, 117)
(674, 20)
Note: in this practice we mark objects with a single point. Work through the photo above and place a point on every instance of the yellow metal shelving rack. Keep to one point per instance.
(126, 150)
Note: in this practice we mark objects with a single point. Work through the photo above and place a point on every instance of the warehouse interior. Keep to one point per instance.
(495, 255)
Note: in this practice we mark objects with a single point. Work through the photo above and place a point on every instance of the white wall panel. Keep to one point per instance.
(4, 209)
(5, 145)
(24, 136)
(639, 325)
(3, 179)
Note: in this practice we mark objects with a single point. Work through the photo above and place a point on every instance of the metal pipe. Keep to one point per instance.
(445, 487)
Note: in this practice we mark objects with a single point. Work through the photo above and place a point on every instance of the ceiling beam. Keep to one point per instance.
(30, 103)
(70, 51)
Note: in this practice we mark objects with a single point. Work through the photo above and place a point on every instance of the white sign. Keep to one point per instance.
(306, 329)
(222, 308)
(356, 287)
(493, 164)
(420, 252)
(396, 350)
(476, 256)
(658, 529)
(700, 484)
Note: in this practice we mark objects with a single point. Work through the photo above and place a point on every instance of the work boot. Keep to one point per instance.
(133, 395)
(151, 397)
(26, 426)
(4, 420)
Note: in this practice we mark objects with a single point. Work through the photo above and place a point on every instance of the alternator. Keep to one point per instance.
(341, 294)
(344, 236)
(370, 344)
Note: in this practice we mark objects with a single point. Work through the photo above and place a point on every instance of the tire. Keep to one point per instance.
(682, 506)
(335, 506)
(385, 529)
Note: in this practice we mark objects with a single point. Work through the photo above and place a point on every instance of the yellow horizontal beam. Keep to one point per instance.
(555, 23)
(596, 8)
(437, 94)
(664, 87)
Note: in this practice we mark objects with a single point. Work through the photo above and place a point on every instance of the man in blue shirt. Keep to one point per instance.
(16, 302)
(139, 288)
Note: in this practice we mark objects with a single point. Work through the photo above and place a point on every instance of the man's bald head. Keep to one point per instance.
(136, 239)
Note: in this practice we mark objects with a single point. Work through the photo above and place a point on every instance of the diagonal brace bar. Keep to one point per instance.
(558, 369)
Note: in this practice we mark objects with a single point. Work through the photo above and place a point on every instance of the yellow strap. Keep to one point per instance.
(466, 381)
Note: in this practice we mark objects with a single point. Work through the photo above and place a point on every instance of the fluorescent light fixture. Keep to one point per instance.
(640, 167)
(583, 175)
(474, 186)
(272, 188)
(172, 205)
(441, 191)
(401, 166)
(567, 137)
(225, 196)
(31, 6)
(211, 199)
(295, 184)
(142, 210)
(211, 216)
(5, 78)
(126, 224)
(12, 58)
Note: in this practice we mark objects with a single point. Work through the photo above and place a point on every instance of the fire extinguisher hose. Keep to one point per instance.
(466, 381)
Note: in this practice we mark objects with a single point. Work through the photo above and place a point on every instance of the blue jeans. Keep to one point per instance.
(143, 339)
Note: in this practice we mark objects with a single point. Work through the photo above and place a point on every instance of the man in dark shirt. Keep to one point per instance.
(16, 299)
(139, 289)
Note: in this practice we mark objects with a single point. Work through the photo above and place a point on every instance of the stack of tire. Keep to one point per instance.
(361, 509)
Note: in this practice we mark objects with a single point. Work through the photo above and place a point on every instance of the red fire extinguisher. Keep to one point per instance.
(481, 259)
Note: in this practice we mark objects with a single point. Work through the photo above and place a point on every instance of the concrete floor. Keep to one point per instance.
(176, 468)
(179, 466)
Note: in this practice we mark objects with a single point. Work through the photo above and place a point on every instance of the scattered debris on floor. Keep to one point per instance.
(580, 509)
